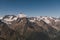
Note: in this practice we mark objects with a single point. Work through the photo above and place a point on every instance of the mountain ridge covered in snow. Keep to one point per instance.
(32, 19)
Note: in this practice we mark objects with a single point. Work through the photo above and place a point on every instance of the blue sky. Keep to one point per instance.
(30, 7)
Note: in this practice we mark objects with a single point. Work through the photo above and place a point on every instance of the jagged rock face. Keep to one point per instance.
(6, 33)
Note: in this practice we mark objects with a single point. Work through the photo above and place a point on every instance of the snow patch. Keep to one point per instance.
(45, 19)
(8, 19)
(57, 20)
(32, 20)
(15, 18)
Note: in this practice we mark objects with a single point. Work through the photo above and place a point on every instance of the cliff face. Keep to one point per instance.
(23, 29)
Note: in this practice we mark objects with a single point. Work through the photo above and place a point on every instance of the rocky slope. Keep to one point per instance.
(6, 33)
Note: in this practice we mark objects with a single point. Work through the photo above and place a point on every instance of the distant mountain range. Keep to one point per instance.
(32, 19)
(21, 27)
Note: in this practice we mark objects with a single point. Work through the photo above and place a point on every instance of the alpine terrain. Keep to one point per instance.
(21, 27)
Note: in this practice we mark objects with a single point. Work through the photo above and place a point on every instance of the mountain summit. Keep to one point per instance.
(21, 15)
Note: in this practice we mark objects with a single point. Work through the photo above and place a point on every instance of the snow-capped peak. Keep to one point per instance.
(21, 15)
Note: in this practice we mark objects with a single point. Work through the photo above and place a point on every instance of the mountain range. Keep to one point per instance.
(21, 27)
